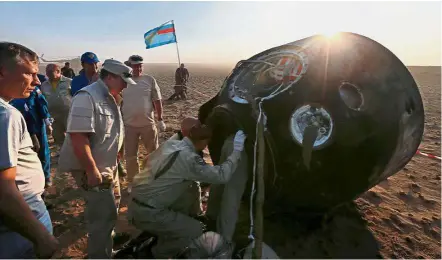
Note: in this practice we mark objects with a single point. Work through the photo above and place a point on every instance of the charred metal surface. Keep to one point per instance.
(361, 98)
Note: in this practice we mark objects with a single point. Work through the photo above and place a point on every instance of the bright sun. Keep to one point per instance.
(329, 33)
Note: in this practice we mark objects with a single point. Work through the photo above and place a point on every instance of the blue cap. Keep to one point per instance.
(89, 57)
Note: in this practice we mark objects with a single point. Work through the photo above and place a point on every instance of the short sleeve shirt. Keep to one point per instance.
(138, 110)
(81, 116)
(16, 151)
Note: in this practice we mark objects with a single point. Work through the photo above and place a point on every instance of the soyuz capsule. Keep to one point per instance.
(341, 115)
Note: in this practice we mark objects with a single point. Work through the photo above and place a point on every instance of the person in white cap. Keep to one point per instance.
(138, 106)
(94, 138)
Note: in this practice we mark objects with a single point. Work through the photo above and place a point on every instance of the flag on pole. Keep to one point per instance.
(161, 35)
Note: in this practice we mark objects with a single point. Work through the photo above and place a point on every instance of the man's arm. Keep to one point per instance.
(43, 111)
(232, 150)
(219, 174)
(14, 211)
(82, 150)
(177, 76)
(80, 126)
(42, 104)
(159, 109)
(156, 97)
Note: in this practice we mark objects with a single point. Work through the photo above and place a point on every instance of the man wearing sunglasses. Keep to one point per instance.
(139, 102)
(95, 135)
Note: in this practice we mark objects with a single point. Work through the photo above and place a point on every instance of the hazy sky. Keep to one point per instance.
(217, 32)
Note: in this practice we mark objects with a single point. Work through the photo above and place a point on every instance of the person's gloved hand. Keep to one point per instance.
(161, 125)
(238, 141)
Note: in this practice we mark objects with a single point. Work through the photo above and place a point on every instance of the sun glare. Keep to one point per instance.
(330, 33)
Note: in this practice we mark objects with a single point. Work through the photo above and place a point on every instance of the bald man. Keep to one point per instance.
(57, 90)
(194, 192)
(186, 125)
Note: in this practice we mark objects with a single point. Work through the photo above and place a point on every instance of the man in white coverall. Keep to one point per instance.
(138, 116)
(161, 204)
(225, 199)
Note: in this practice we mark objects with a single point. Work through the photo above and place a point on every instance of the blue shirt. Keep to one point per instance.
(79, 82)
(34, 110)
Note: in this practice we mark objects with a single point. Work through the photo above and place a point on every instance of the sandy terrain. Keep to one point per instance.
(399, 218)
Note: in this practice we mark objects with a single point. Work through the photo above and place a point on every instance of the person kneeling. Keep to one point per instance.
(162, 203)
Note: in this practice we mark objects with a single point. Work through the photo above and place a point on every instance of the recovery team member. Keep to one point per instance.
(67, 71)
(138, 106)
(89, 73)
(95, 136)
(57, 92)
(181, 78)
(160, 203)
(225, 199)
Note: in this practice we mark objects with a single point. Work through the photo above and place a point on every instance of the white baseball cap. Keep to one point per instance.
(118, 68)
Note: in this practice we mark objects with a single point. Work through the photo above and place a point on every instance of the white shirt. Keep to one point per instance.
(137, 108)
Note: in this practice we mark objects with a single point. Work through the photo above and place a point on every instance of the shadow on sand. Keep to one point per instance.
(344, 234)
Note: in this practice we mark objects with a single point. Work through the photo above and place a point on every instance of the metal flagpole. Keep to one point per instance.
(176, 44)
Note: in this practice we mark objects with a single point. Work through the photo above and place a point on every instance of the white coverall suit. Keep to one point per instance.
(225, 199)
(161, 204)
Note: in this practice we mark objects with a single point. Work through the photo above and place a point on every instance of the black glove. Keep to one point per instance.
(36, 143)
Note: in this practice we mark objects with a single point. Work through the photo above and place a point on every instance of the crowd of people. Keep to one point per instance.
(97, 119)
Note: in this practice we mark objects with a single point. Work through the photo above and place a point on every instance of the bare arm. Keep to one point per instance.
(82, 150)
(156, 98)
(15, 212)
(159, 109)
(80, 126)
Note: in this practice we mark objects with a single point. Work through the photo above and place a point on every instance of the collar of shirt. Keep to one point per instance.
(58, 81)
(104, 89)
(55, 83)
(84, 78)
(188, 143)
(3, 101)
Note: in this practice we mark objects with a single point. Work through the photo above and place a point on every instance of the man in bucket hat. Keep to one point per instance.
(139, 103)
(94, 138)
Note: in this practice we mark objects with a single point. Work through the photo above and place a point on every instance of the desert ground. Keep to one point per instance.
(399, 218)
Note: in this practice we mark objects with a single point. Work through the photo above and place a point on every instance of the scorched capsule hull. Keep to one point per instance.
(362, 103)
